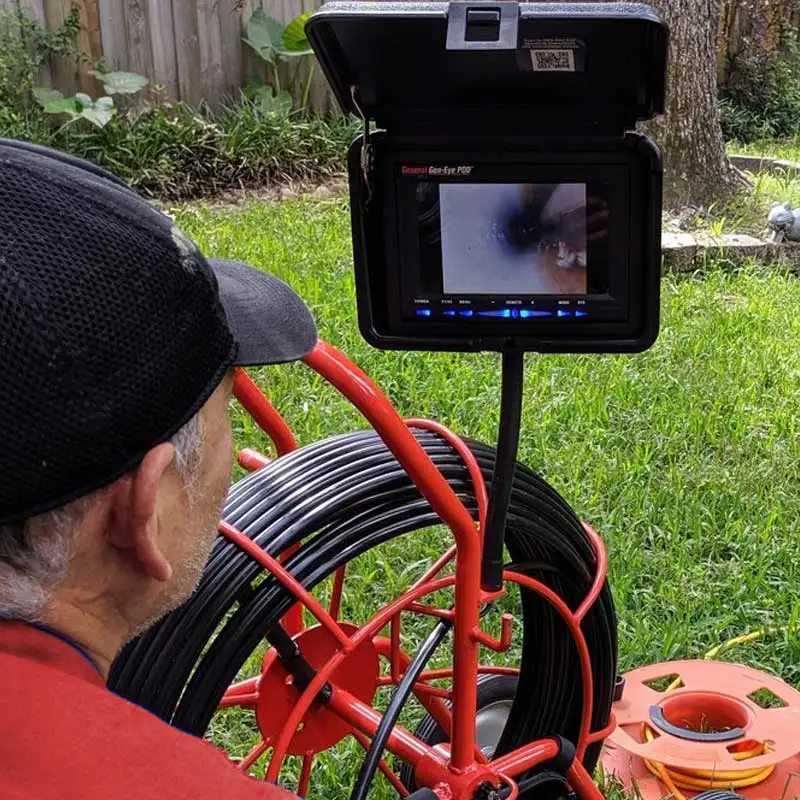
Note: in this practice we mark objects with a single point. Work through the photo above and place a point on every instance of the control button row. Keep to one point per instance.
(504, 313)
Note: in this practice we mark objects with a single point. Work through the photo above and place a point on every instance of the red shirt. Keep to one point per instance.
(63, 735)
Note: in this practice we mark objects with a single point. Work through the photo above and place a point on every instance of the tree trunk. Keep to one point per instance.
(749, 38)
(696, 169)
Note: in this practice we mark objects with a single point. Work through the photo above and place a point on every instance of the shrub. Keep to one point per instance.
(175, 153)
(163, 150)
(263, 144)
(762, 98)
(24, 49)
(27, 124)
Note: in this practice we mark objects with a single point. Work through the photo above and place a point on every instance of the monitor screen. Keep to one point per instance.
(509, 238)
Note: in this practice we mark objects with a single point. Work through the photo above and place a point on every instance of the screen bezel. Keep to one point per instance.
(379, 250)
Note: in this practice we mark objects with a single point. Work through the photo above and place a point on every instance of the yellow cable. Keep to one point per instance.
(699, 779)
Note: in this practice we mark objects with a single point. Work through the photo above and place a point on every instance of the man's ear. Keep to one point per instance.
(134, 523)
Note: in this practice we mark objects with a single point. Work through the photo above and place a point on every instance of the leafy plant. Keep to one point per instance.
(119, 82)
(274, 42)
(28, 124)
(762, 98)
(270, 99)
(294, 36)
(98, 112)
(25, 47)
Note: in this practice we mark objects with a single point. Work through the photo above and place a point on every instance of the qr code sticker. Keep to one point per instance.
(553, 60)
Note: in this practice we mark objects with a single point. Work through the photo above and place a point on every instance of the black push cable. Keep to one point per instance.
(180, 669)
(294, 663)
(504, 467)
(369, 766)
(539, 503)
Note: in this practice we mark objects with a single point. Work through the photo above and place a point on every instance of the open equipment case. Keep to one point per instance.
(468, 103)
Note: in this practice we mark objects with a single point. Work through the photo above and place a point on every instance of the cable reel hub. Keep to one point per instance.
(277, 693)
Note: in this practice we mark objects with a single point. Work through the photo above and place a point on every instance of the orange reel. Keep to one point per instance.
(705, 725)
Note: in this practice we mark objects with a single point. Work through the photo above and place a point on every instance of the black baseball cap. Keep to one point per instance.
(114, 328)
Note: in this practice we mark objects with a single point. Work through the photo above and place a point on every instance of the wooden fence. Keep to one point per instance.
(193, 48)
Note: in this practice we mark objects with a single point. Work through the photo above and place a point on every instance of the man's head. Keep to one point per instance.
(117, 345)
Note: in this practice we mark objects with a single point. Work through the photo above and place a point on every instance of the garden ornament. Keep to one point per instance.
(784, 222)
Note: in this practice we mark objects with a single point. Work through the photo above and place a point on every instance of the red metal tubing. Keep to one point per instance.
(581, 782)
(243, 694)
(467, 457)
(600, 573)
(604, 733)
(436, 568)
(287, 580)
(366, 719)
(253, 756)
(238, 700)
(354, 384)
(263, 412)
(514, 794)
(583, 654)
(395, 651)
(357, 387)
(525, 758)
(422, 690)
(247, 686)
(251, 460)
(431, 611)
(504, 642)
(305, 774)
(293, 619)
(335, 605)
(488, 669)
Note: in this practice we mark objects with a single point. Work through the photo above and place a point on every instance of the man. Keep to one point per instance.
(117, 343)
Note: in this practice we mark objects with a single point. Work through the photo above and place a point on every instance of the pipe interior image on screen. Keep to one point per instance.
(513, 238)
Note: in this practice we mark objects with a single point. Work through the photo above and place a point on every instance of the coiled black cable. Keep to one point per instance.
(341, 497)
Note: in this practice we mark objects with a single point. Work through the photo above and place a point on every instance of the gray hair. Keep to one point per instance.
(35, 553)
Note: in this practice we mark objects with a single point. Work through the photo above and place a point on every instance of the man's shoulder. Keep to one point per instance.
(64, 736)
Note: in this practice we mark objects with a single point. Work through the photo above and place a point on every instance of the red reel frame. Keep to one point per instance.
(453, 773)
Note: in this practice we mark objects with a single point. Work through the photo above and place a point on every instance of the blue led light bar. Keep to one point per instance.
(504, 312)
(534, 312)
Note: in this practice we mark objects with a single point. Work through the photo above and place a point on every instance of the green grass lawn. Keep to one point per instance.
(686, 458)
(780, 148)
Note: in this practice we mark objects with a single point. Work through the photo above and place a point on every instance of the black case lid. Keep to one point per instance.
(493, 68)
